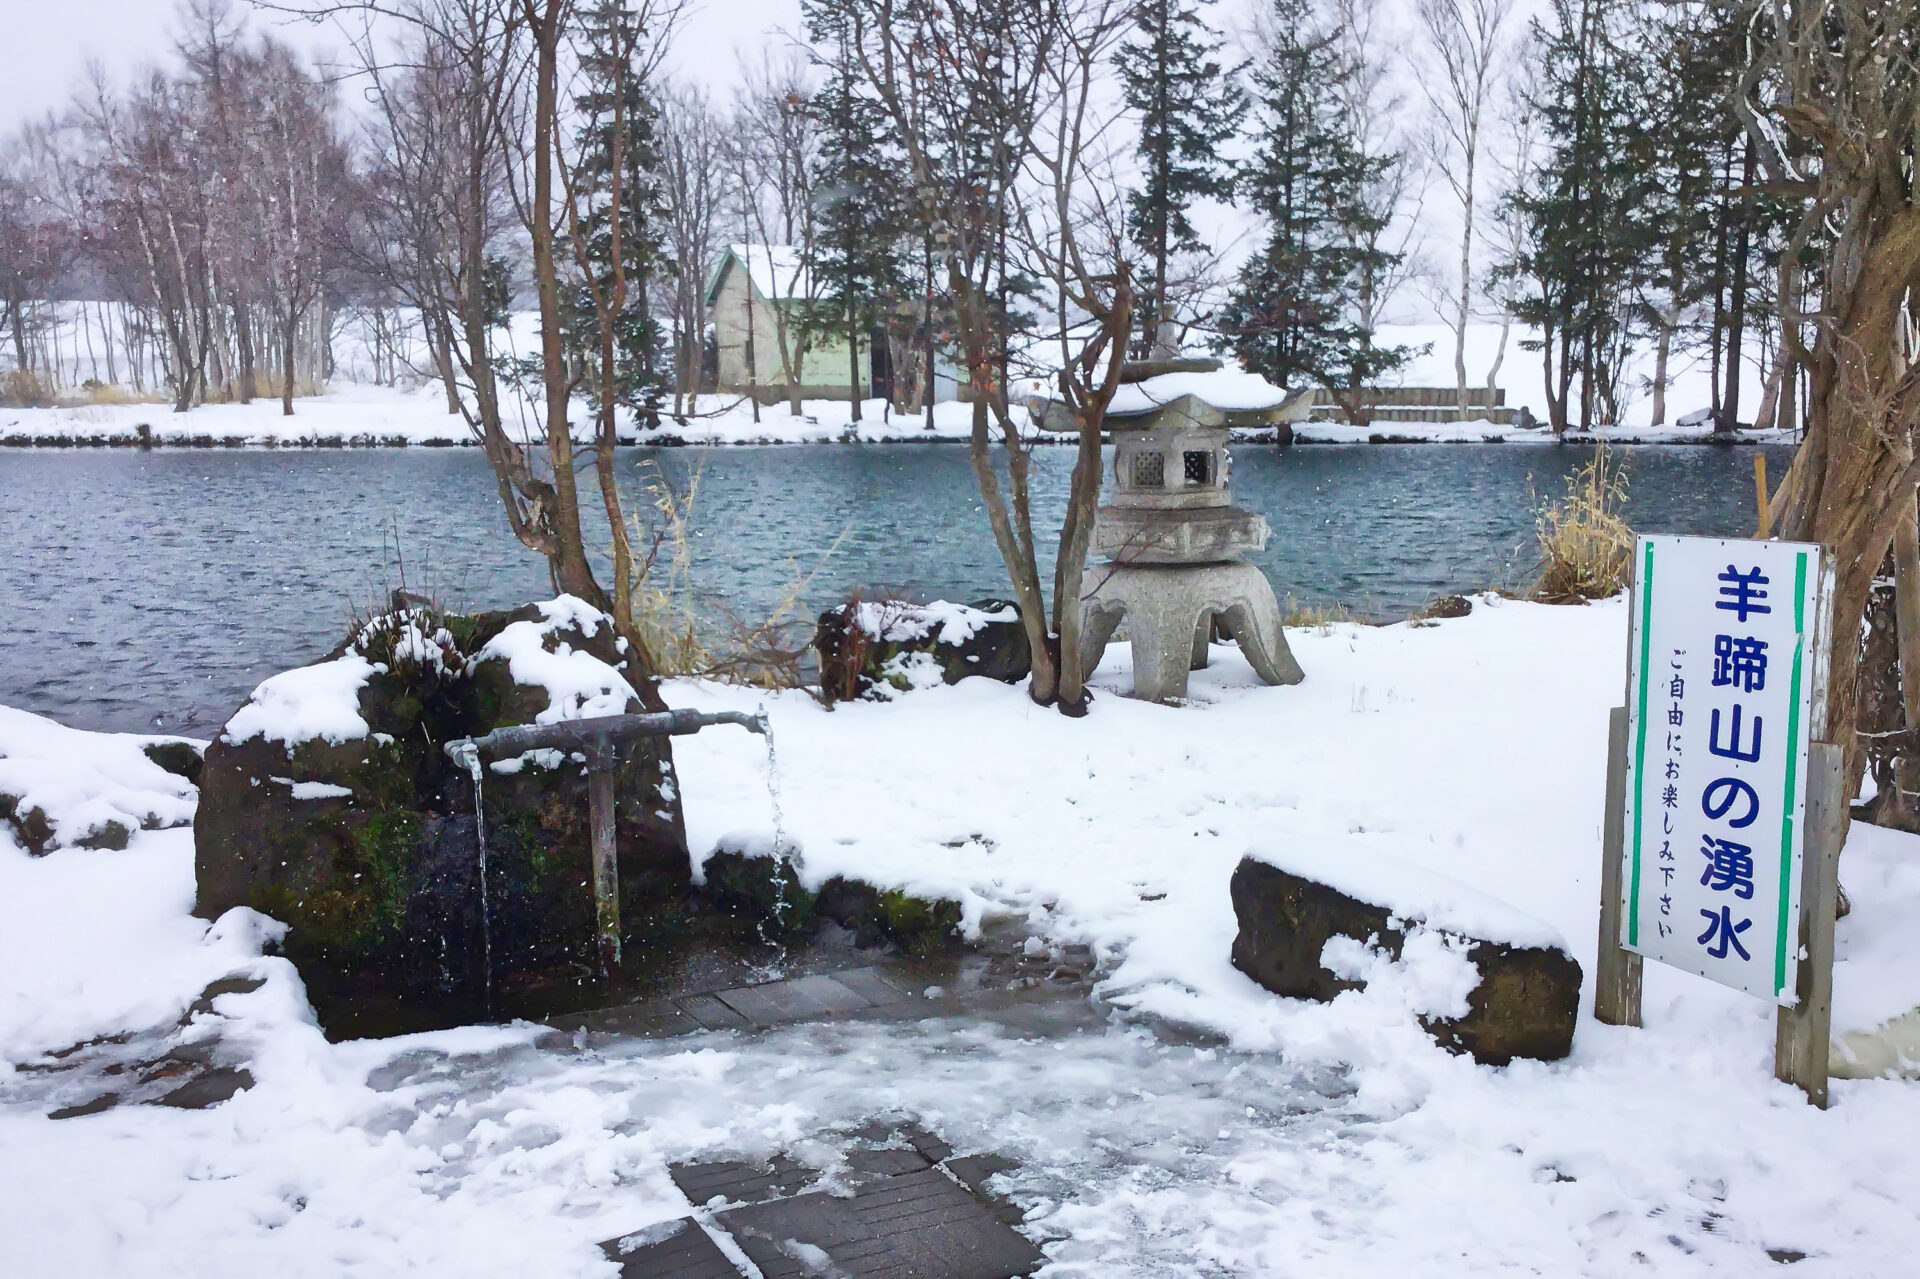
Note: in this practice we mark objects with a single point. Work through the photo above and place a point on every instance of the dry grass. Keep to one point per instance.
(22, 389)
(97, 394)
(1321, 617)
(1586, 547)
(690, 637)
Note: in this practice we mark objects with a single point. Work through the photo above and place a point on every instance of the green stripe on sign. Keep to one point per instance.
(1793, 766)
(1640, 743)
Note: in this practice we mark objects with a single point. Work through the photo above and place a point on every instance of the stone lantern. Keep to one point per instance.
(1174, 540)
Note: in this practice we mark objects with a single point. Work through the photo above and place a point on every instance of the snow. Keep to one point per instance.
(81, 782)
(1877, 947)
(778, 271)
(1303, 1139)
(316, 790)
(358, 410)
(949, 623)
(1225, 389)
(1410, 892)
(578, 684)
(307, 703)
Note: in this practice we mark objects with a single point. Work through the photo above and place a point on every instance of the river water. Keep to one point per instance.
(150, 591)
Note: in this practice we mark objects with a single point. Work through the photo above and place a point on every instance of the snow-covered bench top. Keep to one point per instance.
(1410, 892)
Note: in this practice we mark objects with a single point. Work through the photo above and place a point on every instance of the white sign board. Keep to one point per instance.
(1720, 703)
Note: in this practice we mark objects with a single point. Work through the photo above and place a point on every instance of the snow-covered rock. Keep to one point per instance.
(63, 788)
(329, 804)
(1486, 979)
(880, 648)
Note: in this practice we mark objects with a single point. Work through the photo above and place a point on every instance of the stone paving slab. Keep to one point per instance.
(916, 1225)
(712, 1013)
(801, 999)
(740, 1183)
(675, 1250)
(873, 985)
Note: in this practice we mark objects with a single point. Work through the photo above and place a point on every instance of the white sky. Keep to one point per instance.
(48, 43)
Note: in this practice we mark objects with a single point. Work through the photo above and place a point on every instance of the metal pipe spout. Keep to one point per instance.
(598, 735)
(599, 738)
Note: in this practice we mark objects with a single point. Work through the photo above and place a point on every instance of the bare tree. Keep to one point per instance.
(693, 176)
(1464, 41)
(773, 149)
(1007, 135)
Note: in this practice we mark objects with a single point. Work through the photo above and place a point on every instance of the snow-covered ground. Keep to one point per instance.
(1303, 1139)
(362, 415)
(358, 410)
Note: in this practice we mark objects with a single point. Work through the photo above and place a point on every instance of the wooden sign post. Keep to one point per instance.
(1724, 814)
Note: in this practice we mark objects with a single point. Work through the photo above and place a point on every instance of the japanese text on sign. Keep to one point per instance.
(1719, 707)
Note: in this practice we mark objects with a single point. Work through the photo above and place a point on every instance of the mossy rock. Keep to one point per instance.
(760, 887)
(366, 848)
(181, 758)
(919, 925)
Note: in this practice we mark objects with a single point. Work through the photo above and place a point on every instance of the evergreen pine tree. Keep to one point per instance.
(1188, 107)
(1587, 206)
(857, 260)
(1290, 316)
(619, 119)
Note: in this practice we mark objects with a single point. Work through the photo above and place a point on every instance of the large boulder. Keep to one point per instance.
(329, 804)
(878, 648)
(1291, 903)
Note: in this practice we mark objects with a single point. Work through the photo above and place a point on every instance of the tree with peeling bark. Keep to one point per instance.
(1009, 148)
(1831, 105)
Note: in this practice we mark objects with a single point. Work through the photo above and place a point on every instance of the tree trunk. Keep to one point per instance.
(1663, 346)
(1043, 687)
(289, 336)
(1466, 296)
(243, 337)
(853, 363)
(571, 570)
(1858, 476)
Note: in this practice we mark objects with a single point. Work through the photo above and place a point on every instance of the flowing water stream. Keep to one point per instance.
(471, 757)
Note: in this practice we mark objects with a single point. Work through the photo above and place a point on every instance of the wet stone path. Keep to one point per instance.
(903, 1206)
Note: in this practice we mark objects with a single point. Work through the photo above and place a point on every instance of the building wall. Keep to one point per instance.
(823, 370)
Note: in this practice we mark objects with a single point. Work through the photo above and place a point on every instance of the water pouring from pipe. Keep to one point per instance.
(599, 739)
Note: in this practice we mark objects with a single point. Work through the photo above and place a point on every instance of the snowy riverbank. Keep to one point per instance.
(1306, 1139)
(362, 416)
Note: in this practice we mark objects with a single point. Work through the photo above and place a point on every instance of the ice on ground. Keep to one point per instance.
(308, 703)
(83, 783)
(1410, 892)
(578, 684)
(1297, 1139)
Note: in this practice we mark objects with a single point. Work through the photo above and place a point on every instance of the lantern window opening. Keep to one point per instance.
(1198, 466)
(1149, 471)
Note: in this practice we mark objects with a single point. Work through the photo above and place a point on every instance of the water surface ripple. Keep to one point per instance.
(144, 589)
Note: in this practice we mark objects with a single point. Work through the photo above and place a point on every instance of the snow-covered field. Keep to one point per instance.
(359, 411)
(1291, 1139)
(361, 415)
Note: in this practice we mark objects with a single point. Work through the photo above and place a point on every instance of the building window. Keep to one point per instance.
(1199, 465)
(1149, 471)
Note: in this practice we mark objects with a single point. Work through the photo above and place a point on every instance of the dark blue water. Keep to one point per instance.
(156, 588)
